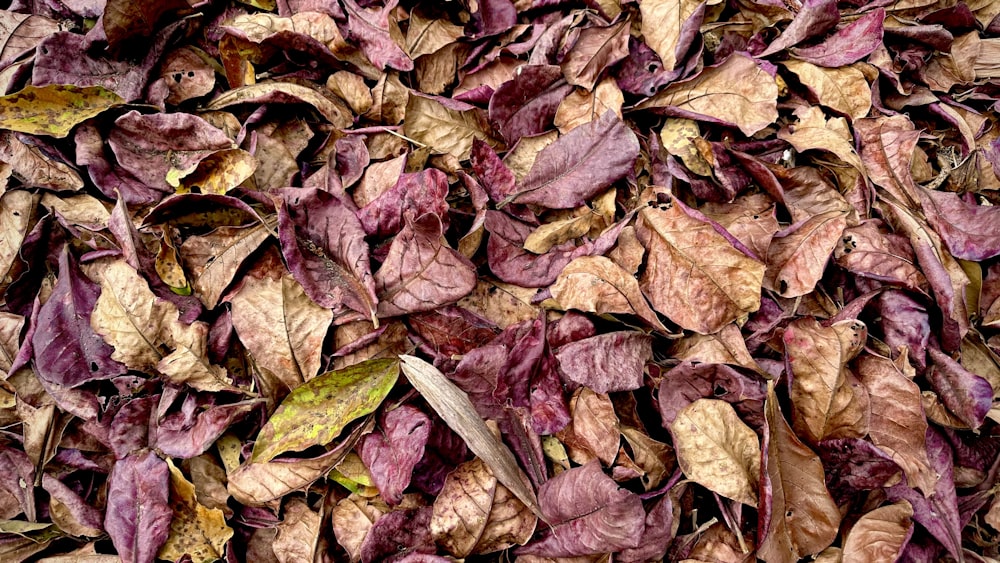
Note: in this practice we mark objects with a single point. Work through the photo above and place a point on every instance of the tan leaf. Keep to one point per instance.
(298, 533)
(213, 259)
(694, 275)
(804, 517)
(185, 73)
(501, 303)
(880, 535)
(256, 484)
(717, 450)
(677, 136)
(389, 99)
(168, 267)
(593, 431)
(83, 210)
(583, 106)
(17, 212)
(737, 92)
(280, 326)
(825, 404)
(329, 106)
(815, 132)
(724, 347)
(649, 455)
(352, 88)
(352, 518)
(521, 158)
(595, 284)
(798, 254)
(510, 523)
(462, 508)
(808, 193)
(425, 36)
(843, 89)
(898, 426)
(887, 145)
(34, 167)
(443, 129)
(258, 27)
(628, 253)
(220, 172)
(554, 233)
(750, 218)
(661, 26)
(139, 325)
(455, 408)
(195, 530)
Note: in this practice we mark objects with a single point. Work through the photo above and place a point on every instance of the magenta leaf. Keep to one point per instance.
(416, 193)
(420, 273)
(67, 350)
(580, 164)
(324, 246)
(971, 232)
(815, 18)
(608, 362)
(392, 452)
(525, 105)
(370, 27)
(967, 395)
(848, 44)
(589, 514)
(138, 514)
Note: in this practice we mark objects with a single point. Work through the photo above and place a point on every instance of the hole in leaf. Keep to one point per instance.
(652, 67)
(93, 366)
(720, 391)
(190, 74)
(177, 77)
(782, 286)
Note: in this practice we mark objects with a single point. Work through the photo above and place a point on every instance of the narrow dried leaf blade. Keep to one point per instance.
(454, 406)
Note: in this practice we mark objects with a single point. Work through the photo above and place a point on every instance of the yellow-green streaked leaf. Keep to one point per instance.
(316, 412)
(54, 109)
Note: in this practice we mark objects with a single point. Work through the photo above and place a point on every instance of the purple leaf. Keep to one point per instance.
(597, 48)
(324, 246)
(398, 534)
(67, 350)
(687, 383)
(525, 105)
(370, 28)
(852, 465)
(129, 429)
(937, 512)
(580, 164)
(155, 147)
(17, 478)
(417, 193)
(815, 18)
(138, 514)
(905, 323)
(967, 396)
(82, 514)
(608, 362)
(420, 273)
(971, 232)
(493, 174)
(529, 377)
(391, 453)
(192, 430)
(111, 179)
(656, 536)
(589, 514)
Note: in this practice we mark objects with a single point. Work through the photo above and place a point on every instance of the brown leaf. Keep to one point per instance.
(593, 431)
(804, 518)
(880, 535)
(798, 254)
(213, 259)
(694, 275)
(717, 450)
(736, 92)
(298, 533)
(352, 518)
(582, 106)
(595, 284)
(443, 129)
(34, 167)
(425, 35)
(462, 508)
(887, 145)
(455, 408)
(827, 402)
(815, 132)
(279, 325)
(595, 49)
(329, 106)
(653, 457)
(898, 426)
(662, 21)
(17, 212)
(501, 303)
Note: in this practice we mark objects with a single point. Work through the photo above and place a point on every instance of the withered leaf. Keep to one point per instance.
(717, 450)
(329, 401)
(195, 530)
(694, 275)
(54, 109)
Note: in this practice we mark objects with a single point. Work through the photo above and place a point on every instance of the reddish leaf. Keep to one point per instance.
(138, 515)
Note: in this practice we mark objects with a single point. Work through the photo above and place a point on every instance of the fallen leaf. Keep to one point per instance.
(54, 109)
(736, 92)
(444, 129)
(139, 515)
(214, 258)
(332, 108)
(298, 534)
(843, 89)
(803, 517)
(718, 283)
(717, 450)
(331, 401)
(880, 534)
(799, 253)
(196, 531)
(662, 25)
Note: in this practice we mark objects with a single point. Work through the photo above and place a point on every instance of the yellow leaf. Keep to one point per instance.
(195, 530)
(54, 109)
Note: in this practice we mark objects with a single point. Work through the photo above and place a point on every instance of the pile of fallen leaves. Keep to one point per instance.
(497, 280)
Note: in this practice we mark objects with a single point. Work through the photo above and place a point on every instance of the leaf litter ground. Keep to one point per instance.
(506, 280)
